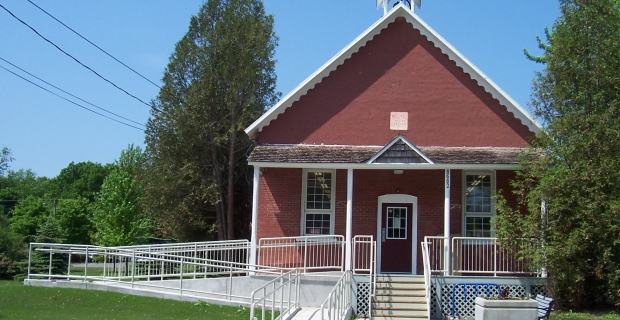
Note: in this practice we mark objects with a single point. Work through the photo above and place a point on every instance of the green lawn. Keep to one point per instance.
(24, 302)
(584, 315)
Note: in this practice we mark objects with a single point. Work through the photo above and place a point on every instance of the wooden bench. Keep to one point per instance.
(544, 306)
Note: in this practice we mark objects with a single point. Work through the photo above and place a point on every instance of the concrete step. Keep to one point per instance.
(401, 285)
(399, 300)
(395, 317)
(400, 311)
(399, 297)
(400, 291)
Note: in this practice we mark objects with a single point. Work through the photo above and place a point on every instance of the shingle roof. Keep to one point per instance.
(361, 154)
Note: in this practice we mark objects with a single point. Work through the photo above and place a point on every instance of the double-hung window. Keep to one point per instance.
(318, 202)
(478, 208)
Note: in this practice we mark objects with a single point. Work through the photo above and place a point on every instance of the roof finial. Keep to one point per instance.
(411, 4)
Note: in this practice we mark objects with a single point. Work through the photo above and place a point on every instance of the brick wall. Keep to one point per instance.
(280, 194)
(352, 105)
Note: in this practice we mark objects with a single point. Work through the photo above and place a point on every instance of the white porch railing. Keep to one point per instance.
(308, 253)
(435, 250)
(278, 295)
(487, 256)
(365, 262)
(338, 302)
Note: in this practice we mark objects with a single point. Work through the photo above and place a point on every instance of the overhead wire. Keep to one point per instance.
(57, 88)
(73, 102)
(96, 46)
(174, 95)
(78, 61)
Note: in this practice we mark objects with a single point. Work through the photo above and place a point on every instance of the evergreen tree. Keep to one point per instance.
(575, 170)
(219, 79)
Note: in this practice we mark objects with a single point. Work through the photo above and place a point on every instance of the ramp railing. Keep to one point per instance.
(279, 296)
(140, 270)
(338, 302)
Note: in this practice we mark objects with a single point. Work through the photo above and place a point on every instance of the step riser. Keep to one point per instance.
(401, 292)
(402, 286)
(397, 299)
(400, 304)
(405, 313)
(397, 318)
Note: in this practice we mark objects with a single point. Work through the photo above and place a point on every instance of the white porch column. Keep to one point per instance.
(349, 230)
(254, 239)
(446, 222)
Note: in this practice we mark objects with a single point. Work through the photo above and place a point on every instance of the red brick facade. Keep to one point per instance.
(280, 199)
(398, 70)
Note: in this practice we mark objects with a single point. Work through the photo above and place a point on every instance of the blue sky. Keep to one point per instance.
(46, 133)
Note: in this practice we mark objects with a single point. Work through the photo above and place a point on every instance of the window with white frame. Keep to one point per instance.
(318, 198)
(478, 208)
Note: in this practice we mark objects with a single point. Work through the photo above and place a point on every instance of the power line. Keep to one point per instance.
(78, 61)
(75, 103)
(117, 60)
(100, 108)
(96, 46)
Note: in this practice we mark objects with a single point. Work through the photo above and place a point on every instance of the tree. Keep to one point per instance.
(118, 217)
(83, 179)
(27, 215)
(13, 251)
(219, 79)
(18, 185)
(48, 231)
(5, 158)
(576, 167)
(75, 220)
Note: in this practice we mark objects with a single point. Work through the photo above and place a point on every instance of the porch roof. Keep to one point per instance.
(348, 154)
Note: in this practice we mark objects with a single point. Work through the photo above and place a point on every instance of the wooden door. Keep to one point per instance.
(396, 237)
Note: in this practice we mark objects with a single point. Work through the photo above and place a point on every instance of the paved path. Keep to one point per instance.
(307, 314)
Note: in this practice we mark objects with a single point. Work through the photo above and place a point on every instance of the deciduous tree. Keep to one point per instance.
(118, 217)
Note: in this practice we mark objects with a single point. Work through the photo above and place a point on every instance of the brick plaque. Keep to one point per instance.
(398, 120)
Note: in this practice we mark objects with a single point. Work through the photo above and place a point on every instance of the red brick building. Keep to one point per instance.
(398, 136)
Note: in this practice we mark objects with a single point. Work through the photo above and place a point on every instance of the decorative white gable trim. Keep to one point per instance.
(399, 11)
(404, 140)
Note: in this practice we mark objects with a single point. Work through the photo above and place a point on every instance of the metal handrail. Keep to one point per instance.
(277, 285)
(338, 302)
(164, 266)
(427, 276)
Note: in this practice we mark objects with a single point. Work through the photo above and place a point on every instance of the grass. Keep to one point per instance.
(568, 315)
(25, 302)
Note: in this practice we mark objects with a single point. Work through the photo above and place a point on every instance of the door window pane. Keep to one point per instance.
(396, 220)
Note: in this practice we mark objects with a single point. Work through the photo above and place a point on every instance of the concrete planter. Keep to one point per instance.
(506, 309)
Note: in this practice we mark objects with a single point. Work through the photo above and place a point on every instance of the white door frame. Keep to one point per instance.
(399, 198)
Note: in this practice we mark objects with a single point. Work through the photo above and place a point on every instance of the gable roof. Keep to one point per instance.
(400, 150)
(399, 11)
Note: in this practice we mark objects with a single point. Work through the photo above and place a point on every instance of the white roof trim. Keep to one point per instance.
(403, 139)
(439, 42)
(388, 166)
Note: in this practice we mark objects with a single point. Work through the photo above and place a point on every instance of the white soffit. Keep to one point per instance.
(399, 11)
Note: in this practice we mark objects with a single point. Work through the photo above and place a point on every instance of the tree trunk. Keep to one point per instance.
(231, 185)
(219, 207)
